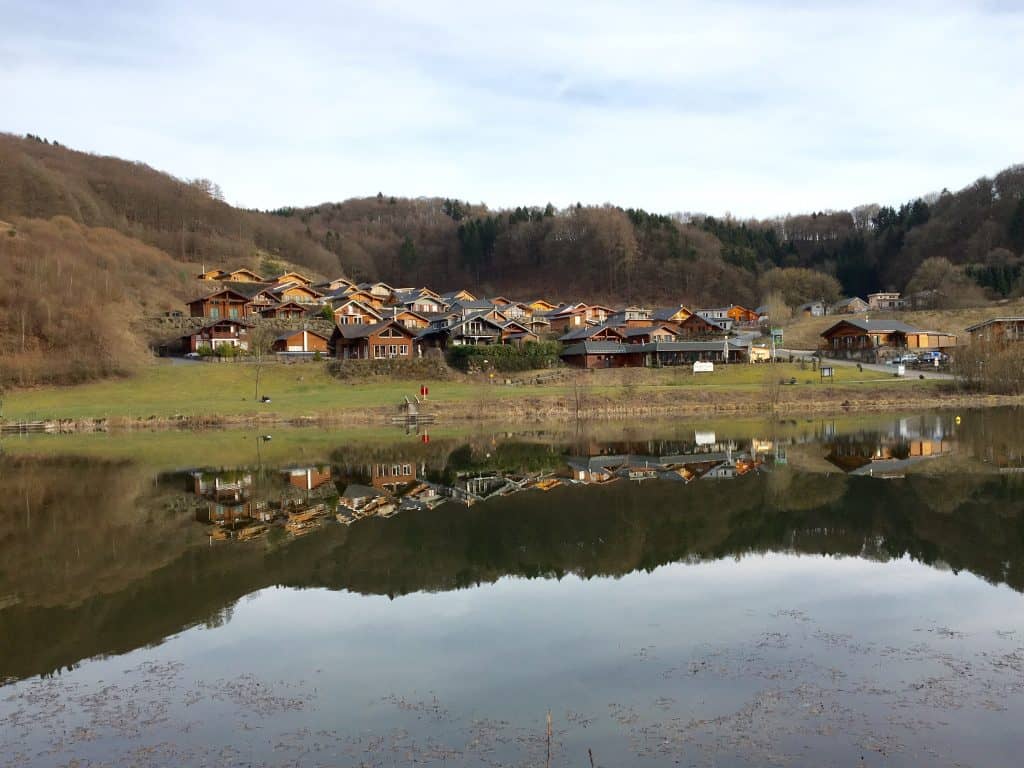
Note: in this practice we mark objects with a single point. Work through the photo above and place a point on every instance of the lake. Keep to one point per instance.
(738, 593)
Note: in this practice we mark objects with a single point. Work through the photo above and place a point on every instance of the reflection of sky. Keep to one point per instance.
(514, 649)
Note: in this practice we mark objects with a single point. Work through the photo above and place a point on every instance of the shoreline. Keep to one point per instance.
(545, 409)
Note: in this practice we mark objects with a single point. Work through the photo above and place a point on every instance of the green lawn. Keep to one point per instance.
(206, 389)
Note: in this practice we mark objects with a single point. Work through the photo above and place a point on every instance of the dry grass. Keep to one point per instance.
(805, 332)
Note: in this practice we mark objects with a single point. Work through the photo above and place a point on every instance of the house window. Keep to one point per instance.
(404, 350)
(233, 313)
(378, 351)
(392, 350)
(215, 312)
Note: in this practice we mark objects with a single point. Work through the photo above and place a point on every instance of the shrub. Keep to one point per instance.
(227, 350)
(501, 357)
(204, 350)
(990, 368)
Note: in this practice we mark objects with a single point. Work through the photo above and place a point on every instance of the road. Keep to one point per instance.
(888, 370)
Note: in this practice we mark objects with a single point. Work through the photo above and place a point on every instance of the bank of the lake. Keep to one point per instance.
(198, 395)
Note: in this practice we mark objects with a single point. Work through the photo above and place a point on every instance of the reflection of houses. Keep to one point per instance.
(392, 476)
(228, 498)
(882, 455)
(307, 478)
(711, 461)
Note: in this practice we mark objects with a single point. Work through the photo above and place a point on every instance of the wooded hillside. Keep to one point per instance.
(133, 235)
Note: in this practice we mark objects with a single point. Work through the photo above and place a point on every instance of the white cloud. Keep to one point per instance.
(671, 106)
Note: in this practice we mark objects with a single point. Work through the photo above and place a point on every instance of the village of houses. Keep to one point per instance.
(376, 321)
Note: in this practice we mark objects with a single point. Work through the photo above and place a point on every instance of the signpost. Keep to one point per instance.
(826, 371)
(776, 340)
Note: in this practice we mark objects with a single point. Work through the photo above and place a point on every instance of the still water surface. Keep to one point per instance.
(807, 593)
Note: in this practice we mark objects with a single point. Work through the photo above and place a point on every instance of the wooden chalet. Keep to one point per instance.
(605, 332)
(242, 276)
(382, 291)
(698, 326)
(515, 333)
(603, 354)
(631, 317)
(470, 329)
(453, 296)
(998, 330)
(353, 312)
(611, 354)
(365, 297)
(671, 315)
(301, 342)
(741, 315)
(335, 285)
(541, 305)
(231, 333)
(568, 317)
(885, 300)
(420, 302)
(598, 313)
(645, 334)
(865, 339)
(261, 296)
(292, 277)
(378, 341)
(225, 303)
(853, 305)
(811, 309)
(297, 292)
(212, 274)
(410, 319)
(288, 310)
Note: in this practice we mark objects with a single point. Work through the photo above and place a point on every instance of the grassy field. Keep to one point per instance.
(202, 390)
(805, 332)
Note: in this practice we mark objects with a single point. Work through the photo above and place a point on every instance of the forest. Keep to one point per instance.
(111, 222)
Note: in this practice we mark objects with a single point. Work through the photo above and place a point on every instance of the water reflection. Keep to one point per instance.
(100, 556)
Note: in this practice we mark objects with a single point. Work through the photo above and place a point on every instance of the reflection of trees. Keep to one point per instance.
(70, 528)
(69, 589)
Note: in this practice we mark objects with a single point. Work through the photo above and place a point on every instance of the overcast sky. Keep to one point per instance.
(750, 107)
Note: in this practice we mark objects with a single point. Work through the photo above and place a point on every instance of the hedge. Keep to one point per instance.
(506, 358)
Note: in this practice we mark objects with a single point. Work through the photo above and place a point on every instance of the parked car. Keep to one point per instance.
(908, 358)
(929, 358)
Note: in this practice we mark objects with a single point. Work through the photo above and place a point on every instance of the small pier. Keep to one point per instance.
(409, 413)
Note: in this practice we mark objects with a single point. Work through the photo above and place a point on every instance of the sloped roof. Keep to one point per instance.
(289, 334)
(665, 313)
(993, 321)
(364, 330)
(600, 348)
(580, 334)
(645, 330)
(211, 294)
(876, 326)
